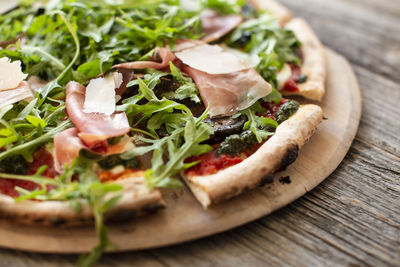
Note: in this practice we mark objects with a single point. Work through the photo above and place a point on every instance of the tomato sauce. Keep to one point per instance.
(41, 157)
(291, 84)
(211, 163)
(107, 176)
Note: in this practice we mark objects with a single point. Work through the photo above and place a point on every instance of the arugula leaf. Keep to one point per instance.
(275, 46)
(274, 96)
(225, 7)
(261, 127)
(162, 175)
(26, 149)
(187, 89)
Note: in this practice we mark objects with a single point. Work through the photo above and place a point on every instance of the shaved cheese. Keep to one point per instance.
(251, 60)
(100, 94)
(283, 75)
(190, 5)
(213, 59)
(11, 74)
(22, 92)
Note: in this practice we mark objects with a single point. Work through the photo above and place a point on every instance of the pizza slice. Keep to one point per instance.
(307, 76)
(225, 173)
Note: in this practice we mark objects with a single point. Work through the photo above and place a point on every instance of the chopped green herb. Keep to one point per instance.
(287, 110)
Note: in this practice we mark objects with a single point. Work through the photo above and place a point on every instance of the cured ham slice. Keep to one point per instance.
(67, 145)
(216, 26)
(226, 94)
(164, 53)
(227, 81)
(94, 128)
(11, 96)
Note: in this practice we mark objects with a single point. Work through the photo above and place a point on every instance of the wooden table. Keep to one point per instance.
(353, 217)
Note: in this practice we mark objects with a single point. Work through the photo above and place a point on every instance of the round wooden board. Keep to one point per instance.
(184, 219)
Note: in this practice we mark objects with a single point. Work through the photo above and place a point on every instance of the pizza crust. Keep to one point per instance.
(279, 11)
(136, 199)
(277, 152)
(314, 63)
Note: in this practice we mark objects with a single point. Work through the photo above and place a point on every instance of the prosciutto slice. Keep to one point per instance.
(11, 96)
(227, 81)
(226, 94)
(216, 26)
(164, 53)
(94, 128)
(67, 146)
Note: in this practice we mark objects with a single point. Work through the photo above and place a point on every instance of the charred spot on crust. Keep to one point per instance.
(152, 208)
(125, 215)
(269, 179)
(290, 157)
(57, 221)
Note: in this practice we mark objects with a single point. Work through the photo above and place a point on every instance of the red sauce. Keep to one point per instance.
(272, 108)
(210, 163)
(291, 84)
(41, 157)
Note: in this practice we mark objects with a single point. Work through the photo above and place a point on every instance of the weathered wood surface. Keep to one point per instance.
(353, 217)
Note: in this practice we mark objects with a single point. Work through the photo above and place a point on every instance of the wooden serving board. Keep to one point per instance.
(184, 219)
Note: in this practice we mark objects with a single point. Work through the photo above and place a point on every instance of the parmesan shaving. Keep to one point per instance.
(11, 74)
(100, 94)
(190, 5)
(213, 59)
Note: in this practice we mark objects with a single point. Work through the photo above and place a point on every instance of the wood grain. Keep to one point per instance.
(352, 218)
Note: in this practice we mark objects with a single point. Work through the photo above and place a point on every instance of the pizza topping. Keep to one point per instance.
(275, 46)
(22, 92)
(67, 146)
(283, 76)
(100, 94)
(213, 59)
(15, 164)
(211, 163)
(94, 129)
(113, 161)
(226, 81)
(164, 54)
(235, 144)
(224, 127)
(287, 110)
(226, 94)
(216, 26)
(11, 74)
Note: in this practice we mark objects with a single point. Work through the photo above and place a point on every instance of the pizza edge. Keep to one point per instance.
(135, 200)
(281, 12)
(314, 64)
(290, 136)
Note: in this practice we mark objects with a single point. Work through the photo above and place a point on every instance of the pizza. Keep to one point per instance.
(104, 104)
